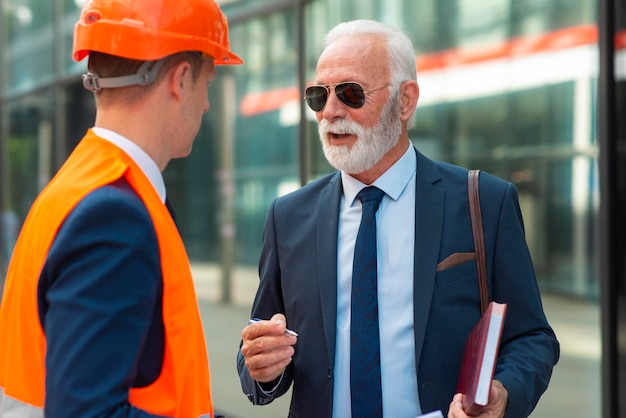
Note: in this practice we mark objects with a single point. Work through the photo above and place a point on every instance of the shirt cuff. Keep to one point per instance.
(272, 390)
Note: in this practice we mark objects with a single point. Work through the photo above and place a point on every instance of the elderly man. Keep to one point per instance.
(353, 261)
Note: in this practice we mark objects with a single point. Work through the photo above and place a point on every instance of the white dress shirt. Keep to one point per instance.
(138, 155)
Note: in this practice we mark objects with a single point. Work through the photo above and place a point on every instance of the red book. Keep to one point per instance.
(479, 358)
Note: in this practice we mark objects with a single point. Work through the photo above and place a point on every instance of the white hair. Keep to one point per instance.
(401, 55)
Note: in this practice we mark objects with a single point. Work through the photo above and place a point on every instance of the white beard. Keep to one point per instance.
(371, 144)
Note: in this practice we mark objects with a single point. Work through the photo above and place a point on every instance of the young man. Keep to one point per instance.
(313, 266)
(99, 315)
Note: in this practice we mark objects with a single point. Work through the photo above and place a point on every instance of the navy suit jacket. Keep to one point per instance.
(298, 277)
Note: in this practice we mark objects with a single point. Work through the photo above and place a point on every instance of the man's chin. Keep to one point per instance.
(336, 154)
(347, 166)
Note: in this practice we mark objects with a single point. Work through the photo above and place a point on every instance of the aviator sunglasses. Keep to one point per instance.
(351, 94)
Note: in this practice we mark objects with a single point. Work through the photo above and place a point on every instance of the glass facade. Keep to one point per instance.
(511, 91)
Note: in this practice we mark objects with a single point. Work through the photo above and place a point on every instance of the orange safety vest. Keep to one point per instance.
(183, 388)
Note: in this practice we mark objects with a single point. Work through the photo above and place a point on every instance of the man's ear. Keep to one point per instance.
(178, 78)
(409, 95)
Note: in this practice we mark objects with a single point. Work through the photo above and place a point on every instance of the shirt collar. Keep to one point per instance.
(138, 155)
(392, 182)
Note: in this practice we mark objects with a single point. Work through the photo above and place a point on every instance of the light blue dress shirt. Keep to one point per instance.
(395, 227)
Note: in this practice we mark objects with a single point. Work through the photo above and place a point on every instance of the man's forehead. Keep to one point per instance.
(355, 58)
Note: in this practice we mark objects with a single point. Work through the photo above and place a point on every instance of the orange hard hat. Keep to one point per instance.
(148, 30)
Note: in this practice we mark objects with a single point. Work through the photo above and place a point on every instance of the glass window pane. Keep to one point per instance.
(70, 14)
(28, 31)
(29, 146)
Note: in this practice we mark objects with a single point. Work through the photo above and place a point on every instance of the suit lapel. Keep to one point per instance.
(327, 232)
(429, 214)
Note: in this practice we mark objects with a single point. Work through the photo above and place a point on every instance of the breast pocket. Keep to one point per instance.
(456, 267)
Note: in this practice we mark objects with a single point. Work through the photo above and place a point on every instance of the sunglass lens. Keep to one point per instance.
(316, 97)
(351, 94)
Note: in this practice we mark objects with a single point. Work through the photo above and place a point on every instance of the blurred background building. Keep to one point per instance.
(513, 87)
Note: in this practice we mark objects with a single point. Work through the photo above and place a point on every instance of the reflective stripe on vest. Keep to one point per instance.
(12, 408)
(182, 390)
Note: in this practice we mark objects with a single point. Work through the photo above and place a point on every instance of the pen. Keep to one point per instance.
(287, 331)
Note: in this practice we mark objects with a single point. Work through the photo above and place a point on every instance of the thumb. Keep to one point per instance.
(279, 318)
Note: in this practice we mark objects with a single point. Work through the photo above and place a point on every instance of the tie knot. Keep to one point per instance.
(370, 193)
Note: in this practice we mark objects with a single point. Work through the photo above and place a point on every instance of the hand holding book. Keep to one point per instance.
(479, 359)
(496, 407)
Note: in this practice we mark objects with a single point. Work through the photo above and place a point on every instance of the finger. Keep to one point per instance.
(456, 407)
(498, 391)
(270, 358)
(267, 366)
(498, 399)
(267, 343)
(279, 318)
(267, 374)
(258, 328)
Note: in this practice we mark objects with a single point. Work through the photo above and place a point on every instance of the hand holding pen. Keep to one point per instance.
(267, 346)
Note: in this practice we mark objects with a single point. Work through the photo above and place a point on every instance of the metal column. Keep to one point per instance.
(612, 224)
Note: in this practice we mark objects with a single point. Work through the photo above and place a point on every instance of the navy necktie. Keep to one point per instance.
(365, 381)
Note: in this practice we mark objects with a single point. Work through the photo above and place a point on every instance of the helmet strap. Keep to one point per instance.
(144, 76)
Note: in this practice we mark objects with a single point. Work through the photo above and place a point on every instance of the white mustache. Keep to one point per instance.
(339, 127)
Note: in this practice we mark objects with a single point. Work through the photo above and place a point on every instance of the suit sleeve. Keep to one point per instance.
(99, 290)
(529, 348)
(267, 302)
